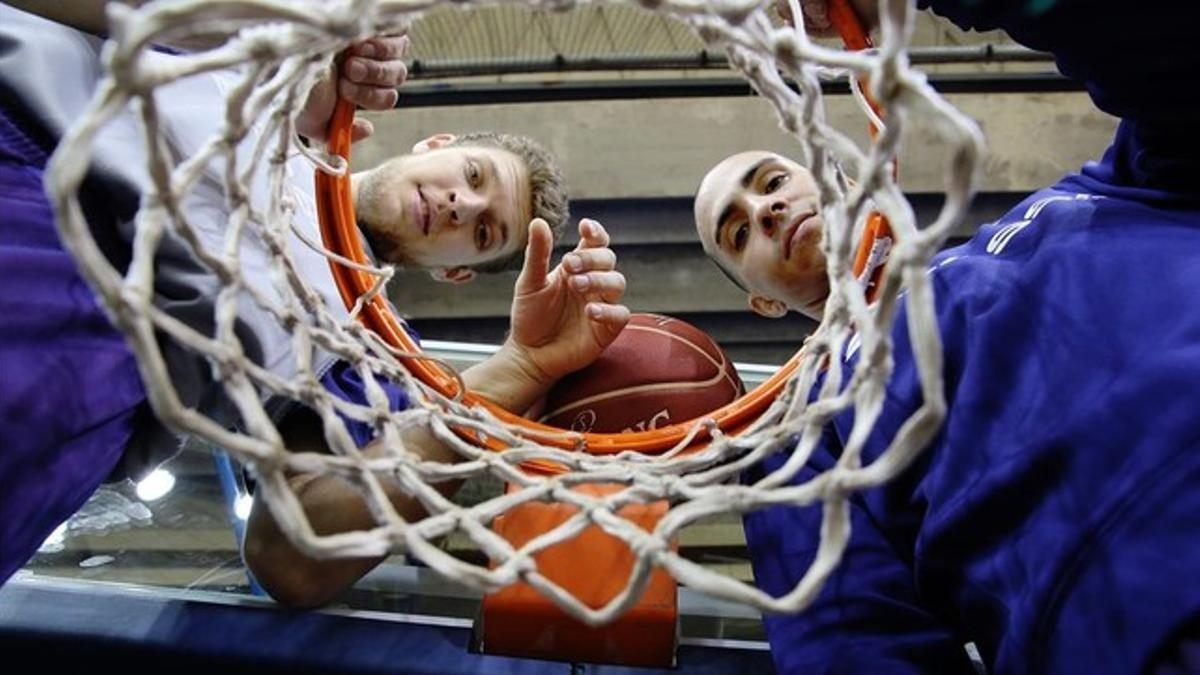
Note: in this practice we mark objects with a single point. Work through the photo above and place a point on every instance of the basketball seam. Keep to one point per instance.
(720, 366)
(722, 374)
(636, 389)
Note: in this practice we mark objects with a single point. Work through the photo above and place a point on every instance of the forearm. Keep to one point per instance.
(331, 505)
(86, 15)
(290, 576)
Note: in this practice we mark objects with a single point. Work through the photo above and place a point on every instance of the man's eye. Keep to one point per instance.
(740, 235)
(776, 182)
(483, 236)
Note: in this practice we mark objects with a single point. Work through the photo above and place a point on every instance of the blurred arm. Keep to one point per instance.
(86, 15)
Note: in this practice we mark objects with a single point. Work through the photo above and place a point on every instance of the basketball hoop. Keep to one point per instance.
(340, 232)
(689, 469)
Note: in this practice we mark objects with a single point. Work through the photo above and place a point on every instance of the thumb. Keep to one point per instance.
(537, 258)
(362, 129)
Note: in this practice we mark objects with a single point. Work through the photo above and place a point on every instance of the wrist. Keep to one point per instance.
(509, 378)
(525, 372)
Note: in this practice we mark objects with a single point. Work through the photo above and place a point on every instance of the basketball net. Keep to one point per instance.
(278, 49)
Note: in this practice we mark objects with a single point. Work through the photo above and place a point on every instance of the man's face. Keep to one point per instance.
(758, 216)
(446, 208)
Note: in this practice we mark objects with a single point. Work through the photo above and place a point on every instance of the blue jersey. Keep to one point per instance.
(1055, 519)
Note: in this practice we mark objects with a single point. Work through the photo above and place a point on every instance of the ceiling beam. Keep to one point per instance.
(459, 94)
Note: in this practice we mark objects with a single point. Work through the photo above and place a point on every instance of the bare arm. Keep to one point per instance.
(333, 505)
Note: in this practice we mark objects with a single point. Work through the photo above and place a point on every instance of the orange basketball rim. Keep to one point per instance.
(335, 209)
(593, 566)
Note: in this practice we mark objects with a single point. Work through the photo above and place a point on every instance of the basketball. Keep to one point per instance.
(659, 371)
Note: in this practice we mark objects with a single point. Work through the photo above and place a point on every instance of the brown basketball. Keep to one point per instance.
(659, 371)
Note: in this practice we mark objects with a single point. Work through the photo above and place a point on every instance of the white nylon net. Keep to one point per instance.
(277, 50)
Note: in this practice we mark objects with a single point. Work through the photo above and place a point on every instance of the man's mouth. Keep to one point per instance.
(789, 235)
(421, 212)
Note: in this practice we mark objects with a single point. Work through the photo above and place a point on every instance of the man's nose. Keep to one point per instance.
(769, 212)
(465, 207)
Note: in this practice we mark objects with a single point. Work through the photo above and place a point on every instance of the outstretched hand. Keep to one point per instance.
(562, 319)
(367, 76)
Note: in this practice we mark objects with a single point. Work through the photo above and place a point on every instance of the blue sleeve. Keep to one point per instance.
(343, 381)
(869, 618)
(875, 614)
(1056, 505)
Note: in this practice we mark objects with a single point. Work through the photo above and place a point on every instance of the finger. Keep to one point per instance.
(382, 48)
(590, 260)
(362, 129)
(375, 73)
(369, 97)
(537, 258)
(610, 288)
(610, 285)
(591, 234)
(613, 316)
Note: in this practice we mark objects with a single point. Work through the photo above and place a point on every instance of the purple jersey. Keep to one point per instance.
(70, 393)
(73, 409)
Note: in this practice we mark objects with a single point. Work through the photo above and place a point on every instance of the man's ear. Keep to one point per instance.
(772, 309)
(452, 275)
(433, 143)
